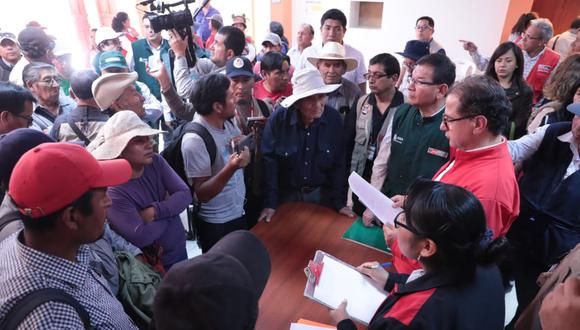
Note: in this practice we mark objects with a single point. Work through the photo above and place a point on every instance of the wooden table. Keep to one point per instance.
(296, 231)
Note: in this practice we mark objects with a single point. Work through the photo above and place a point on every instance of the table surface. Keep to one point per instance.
(296, 231)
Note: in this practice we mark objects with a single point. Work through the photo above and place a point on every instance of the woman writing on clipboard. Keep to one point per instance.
(459, 286)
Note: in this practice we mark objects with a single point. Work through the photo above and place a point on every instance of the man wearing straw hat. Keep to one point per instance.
(332, 64)
(303, 149)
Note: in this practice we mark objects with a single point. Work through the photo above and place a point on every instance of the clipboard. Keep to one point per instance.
(330, 280)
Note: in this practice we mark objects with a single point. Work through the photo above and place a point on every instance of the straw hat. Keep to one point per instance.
(116, 134)
(307, 82)
(334, 51)
(110, 86)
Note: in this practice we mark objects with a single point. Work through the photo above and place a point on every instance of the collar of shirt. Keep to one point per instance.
(6, 64)
(568, 138)
(488, 147)
(74, 273)
(534, 59)
(435, 114)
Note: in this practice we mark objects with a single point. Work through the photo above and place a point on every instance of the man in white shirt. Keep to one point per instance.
(304, 40)
(333, 28)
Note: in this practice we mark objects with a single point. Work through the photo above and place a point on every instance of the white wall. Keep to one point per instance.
(478, 20)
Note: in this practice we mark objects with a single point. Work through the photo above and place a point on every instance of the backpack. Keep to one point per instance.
(34, 299)
(172, 153)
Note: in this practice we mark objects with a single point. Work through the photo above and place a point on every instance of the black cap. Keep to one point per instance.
(217, 290)
(33, 37)
(415, 49)
(14, 144)
(239, 66)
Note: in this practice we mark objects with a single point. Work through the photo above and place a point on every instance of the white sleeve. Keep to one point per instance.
(380, 163)
(524, 147)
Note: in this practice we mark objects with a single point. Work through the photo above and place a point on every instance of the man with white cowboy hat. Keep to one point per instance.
(303, 149)
(332, 64)
(145, 210)
(117, 92)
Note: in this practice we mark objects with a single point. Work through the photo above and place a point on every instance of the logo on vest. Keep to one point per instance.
(437, 152)
(544, 68)
(366, 108)
(398, 139)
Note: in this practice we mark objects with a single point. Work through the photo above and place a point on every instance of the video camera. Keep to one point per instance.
(181, 21)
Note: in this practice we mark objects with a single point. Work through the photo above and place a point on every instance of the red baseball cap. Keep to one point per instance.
(51, 176)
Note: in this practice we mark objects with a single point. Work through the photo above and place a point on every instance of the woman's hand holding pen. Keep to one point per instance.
(375, 271)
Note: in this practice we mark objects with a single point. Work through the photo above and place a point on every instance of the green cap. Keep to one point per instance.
(112, 59)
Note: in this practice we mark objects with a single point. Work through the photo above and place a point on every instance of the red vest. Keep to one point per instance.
(541, 71)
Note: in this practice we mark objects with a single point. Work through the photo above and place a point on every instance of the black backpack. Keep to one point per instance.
(172, 153)
(34, 299)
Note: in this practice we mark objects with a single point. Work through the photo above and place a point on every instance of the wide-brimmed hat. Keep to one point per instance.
(307, 82)
(334, 51)
(117, 132)
(216, 290)
(218, 18)
(110, 86)
(415, 49)
(239, 19)
(106, 33)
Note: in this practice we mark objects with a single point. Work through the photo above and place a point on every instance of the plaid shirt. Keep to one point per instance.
(23, 270)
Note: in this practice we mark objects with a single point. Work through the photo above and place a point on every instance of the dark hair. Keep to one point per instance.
(276, 27)
(334, 14)
(575, 23)
(428, 19)
(215, 24)
(43, 224)
(273, 61)
(443, 68)
(81, 83)
(483, 95)
(389, 63)
(454, 219)
(208, 90)
(234, 39)
(524, 21)
(117, 23)
(518, 75)
(13, 97)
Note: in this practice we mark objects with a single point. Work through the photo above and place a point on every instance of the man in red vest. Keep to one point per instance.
(539, 61)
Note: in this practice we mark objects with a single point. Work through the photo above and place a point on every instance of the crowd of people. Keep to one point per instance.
(484, 167)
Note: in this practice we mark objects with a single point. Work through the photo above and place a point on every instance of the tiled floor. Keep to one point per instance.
(511, 302)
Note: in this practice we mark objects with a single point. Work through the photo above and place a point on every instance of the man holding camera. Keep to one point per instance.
(229, 42)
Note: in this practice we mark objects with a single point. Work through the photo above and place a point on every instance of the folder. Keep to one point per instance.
(371, 237)
(330, 281)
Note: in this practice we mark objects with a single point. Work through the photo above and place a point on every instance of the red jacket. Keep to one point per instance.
(487, 173)
(541, 71)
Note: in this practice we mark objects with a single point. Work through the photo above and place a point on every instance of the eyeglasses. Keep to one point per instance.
(406, 226)
(423, 27)
(412, 80)
(50, 81)
(527, 36)
(374, 75)
(447, 120)
(29, 119)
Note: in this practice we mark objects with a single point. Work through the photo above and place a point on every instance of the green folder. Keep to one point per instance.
(371, 237)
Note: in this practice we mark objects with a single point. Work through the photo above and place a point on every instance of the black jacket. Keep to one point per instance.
(521, 98)
(441, 301)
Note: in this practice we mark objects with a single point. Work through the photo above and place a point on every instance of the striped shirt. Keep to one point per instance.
(23, 270)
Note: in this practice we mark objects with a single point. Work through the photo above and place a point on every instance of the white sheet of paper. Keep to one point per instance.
(379, 204)
(338, 282)
(299, 326)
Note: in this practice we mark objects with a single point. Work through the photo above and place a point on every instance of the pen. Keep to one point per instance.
(383, 265)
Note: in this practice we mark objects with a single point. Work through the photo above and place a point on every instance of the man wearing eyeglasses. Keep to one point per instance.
(44, 82)
(365, 123)
(413, 145)
(15, 107)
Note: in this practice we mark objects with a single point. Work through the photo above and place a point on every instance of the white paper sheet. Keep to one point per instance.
(379, 204)
(339, 281)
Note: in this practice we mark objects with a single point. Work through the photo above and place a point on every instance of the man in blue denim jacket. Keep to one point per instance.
(303, 149)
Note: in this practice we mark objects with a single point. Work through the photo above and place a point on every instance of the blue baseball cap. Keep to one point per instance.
(239, 66)
(14, 144)
(574, 108)
(415, 49)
